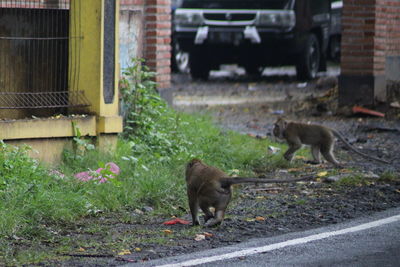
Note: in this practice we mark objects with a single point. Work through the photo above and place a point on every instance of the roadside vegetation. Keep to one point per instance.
(37, 203)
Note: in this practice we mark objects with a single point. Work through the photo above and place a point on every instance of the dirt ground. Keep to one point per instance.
(251, 106)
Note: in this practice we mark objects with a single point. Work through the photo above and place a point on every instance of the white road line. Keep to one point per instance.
(302, 240)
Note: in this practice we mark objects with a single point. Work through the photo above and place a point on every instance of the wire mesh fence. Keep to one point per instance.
(39, 66)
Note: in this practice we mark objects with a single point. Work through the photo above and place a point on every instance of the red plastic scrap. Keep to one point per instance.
(358, 109)
(176, 221)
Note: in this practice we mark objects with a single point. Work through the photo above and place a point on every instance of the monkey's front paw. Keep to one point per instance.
(206, 218)
(313, 162)
(288, 157)
(212, 223)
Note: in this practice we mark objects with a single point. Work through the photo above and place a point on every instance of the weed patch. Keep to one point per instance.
(38, 205)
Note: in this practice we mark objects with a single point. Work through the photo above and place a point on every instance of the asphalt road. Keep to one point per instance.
(369, 241)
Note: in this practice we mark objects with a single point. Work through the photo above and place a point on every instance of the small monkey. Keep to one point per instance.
(321, 139)
(208, 187)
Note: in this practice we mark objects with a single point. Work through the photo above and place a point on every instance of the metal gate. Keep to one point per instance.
(36, 69)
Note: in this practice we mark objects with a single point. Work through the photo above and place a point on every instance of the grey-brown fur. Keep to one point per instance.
(208, 187)
(320, 138)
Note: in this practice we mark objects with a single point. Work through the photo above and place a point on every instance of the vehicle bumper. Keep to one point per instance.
(239, 37)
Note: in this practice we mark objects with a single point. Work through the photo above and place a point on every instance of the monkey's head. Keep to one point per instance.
(279, 128)
(191, 164)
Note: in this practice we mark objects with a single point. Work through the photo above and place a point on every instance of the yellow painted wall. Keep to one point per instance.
(49, 136)
(90, 56)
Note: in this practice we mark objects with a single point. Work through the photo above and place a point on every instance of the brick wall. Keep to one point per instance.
(131, 4)
(388, 21)
(370, 34)
(157, 36)
(158, 39)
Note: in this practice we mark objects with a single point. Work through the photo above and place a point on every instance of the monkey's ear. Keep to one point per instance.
(192, 162)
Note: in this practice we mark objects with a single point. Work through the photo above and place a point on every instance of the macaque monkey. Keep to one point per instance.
(321, 139)
(208, 187)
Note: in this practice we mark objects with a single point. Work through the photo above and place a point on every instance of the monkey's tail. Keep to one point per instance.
(228, 181)
(352, 148)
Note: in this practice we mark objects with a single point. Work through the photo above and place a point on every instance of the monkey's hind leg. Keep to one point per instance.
(316, 155)
(217, 220)
(194, 210)
(327, 152)
(207, 213)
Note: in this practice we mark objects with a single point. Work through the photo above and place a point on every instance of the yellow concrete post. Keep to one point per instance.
(87, 21)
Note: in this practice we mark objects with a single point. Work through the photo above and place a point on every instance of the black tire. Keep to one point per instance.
(253, 70)
(199, 66)
(309, 60)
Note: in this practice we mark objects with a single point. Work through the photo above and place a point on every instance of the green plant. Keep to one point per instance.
(30, 197)
(389, 177)
(149, 124)
(78, 139)
(36, 204)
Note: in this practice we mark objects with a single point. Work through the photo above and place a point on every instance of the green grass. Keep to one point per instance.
(39, 205)
(34, 203)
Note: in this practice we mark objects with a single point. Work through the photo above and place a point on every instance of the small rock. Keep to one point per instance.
(278, 112)
(301, 85)
(334, 178)
(151, 251)
(137, 212)
(147, 209)
(370, 175)
(344, 111)
(199, 237)
(327, 82)
(273, 149)
(395, 104)
(362, 140)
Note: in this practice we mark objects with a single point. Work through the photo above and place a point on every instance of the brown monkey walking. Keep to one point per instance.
(208, 187)
(320, 138)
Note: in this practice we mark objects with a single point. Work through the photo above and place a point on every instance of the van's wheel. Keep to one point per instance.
(309, 60)
(199, 65)
(253, 70)
(180, 60)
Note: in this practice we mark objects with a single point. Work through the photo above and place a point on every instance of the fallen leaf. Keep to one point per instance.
(250, 219)
(176, 221)
(345, 171)
(167, 231)
(260, 197)
(322, 174)
(138, 249)
(199, 237)
(81, 249)
(260, 218)
(124, 252)
(207, 234)
(295, 169)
